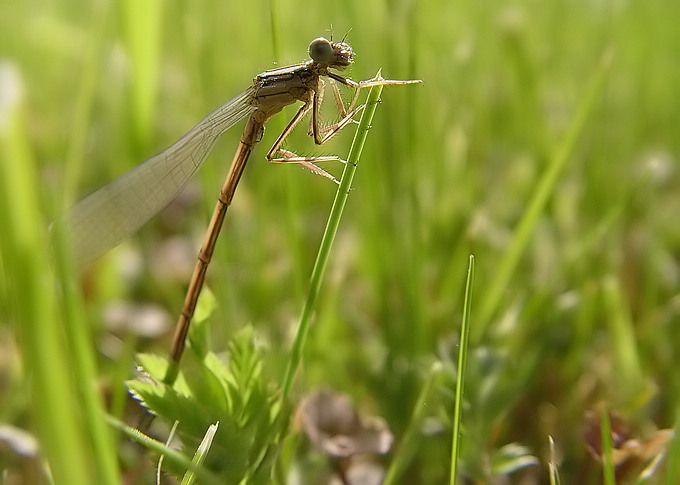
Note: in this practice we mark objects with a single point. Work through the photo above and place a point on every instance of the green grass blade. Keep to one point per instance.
(200, 455)
(142, 31)
(169, 455)
(622, 331)
(410, 443)
(523, 232)
(84, 98)
(78, 335)
(553, 471)
(329, 236)
(49, 362)
(607, 448)
(460, 377)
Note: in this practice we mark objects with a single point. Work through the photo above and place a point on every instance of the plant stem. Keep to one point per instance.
(329, 235)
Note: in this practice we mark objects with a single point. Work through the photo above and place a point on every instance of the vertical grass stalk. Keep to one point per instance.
(542, 193)
(607, 448)
(411, 441)
(460, 377)
(73, 439)
(329, 236)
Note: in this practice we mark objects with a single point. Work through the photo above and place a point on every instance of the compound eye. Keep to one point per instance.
(321, 51)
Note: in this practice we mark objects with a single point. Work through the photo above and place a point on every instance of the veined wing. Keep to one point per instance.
(110, 214)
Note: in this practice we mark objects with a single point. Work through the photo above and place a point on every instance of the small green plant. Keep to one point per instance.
(235, 392)
(567, 193)
(232, 391)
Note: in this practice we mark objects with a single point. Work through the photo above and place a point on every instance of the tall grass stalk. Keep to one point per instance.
(460, 372)
(55, 344)
(329, 236)
(546, 186)
(607, 448)
(410, 442)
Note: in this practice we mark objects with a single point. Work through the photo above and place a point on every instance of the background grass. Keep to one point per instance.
(587, 314)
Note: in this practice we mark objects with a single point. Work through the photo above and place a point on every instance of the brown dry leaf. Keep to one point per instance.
(333, 425)
(629, 455)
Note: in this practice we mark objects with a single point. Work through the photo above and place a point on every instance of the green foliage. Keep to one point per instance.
(234, 393)
(456, 436)
(607, 448)
(572, 221)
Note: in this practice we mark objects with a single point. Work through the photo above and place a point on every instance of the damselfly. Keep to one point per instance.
(110, 214)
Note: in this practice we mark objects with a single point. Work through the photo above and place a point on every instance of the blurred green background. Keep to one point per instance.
(575, 304)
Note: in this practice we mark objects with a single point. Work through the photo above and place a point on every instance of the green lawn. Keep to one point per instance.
(543, 141)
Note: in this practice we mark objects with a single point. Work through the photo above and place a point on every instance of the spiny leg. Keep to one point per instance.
(330, 131)
(317, 101)
(289, 156)
(369, 83)
(346, 114)
(308, 162)
(338, 98)
(350, 111)
(287, 130)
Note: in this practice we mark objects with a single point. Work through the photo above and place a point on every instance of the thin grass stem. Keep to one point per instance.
(544, 190)
(460, 372)
(328, 238)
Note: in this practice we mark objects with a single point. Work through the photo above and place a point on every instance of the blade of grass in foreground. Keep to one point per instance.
(552, 463)
(170, 455)
(329, 235)
(460, 378)
(73, 441)
(200, 455)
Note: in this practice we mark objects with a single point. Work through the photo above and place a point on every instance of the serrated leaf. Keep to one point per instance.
(209, 390)
(245, 367)
(205, 385)
(170, 404)
(153, 364)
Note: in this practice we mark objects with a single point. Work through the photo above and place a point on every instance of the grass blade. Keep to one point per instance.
(200, 455)
(542, 193)
(66, 410)
(329, 236)
(460, 378)
(410, 443)
(607, 448)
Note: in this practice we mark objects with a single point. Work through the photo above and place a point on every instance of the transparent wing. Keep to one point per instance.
(104, 218)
